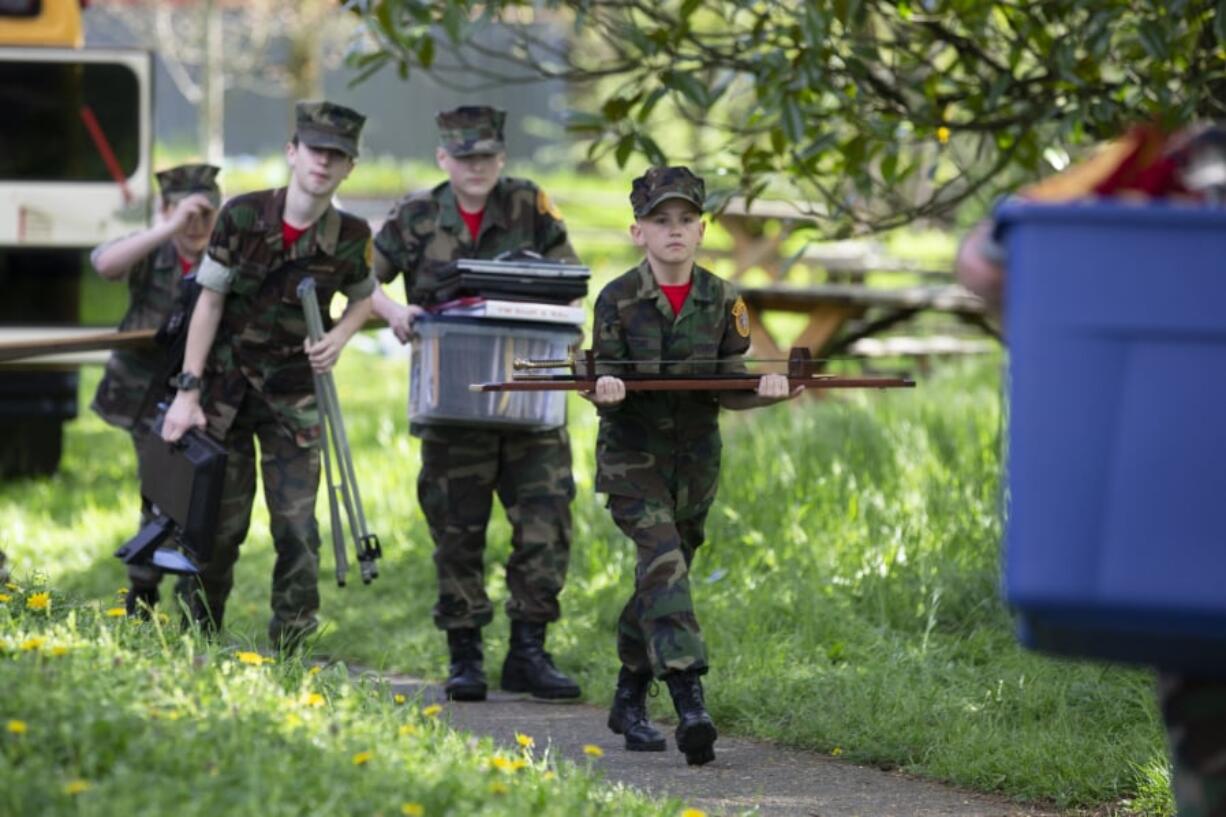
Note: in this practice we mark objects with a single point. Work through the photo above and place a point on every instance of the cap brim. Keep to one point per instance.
(173, 196)
(487, 147)
(663, 197)
(320, 139)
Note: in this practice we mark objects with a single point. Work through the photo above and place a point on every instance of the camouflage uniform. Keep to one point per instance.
(153, 288)
(258, 382)
(1194, 711)
(462, 467)
(658, 453)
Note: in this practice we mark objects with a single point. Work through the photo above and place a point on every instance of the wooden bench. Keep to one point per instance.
(840, 315)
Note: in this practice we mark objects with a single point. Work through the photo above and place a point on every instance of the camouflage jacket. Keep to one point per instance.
(651, 435)
(424, 233)
(259, 340)
(153, 286)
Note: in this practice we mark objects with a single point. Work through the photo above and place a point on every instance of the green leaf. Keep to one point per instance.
(792, 119)
(625, 146)
(688, 7)
(651, 149)
(649, 103)
(453, 21)
(688, 86)
(425, 51)
(1219, 22)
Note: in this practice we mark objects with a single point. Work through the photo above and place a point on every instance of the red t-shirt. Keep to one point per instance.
(290, 234)
(473, 220)
(677, 294)
(185, 265)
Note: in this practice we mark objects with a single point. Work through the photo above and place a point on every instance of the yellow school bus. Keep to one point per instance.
(75, 154)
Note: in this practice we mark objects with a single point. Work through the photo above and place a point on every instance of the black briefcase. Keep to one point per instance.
(518, 278)
(183, 481)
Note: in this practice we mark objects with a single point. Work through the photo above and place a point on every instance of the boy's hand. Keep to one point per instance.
(324, 354)
(401, 321)
(196, 205)
(184, 413)
(774, 388)
(609, 391)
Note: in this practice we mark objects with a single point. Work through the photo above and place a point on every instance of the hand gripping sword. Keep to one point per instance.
(333, 440)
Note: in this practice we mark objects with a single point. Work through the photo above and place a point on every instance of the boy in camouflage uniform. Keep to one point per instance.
(153, 262)
(247, 371)
(478, 213)
(657, 453)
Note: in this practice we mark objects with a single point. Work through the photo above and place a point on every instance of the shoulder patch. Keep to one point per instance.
(740, 317)
(545, 205)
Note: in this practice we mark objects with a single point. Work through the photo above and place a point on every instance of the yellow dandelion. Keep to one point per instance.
(362, 758)
(59, 650)
(32, 643)
(413, 810)
(5, 598)
(942, 134)
(407, 729)
(432, 710)
(525, 741)
(12, 586)
(116, 612)
(501, 763)
(398, 698)
(313, 699)
(836, 751)
(314, 670)
(518, 763)
(252, 658)
(293, 721)
(693, 812)
(75, 787)
(121, 592)
(39, 601)
(592, 750)
(498, 787)
(17, 727)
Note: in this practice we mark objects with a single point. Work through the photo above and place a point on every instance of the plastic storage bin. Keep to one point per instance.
(452, 353)
(1116, 513)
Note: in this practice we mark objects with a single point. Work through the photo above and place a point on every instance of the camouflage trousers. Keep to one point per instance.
(143, 577)
(461, 470)
(658, 631)
(291, 482)
(1194, 711)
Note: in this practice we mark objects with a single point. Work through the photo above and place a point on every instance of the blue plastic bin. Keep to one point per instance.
(1116, 514)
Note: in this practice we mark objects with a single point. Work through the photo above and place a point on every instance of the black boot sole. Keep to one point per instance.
(697, 741)
(514, 682)
(466, 693)
(633, 745)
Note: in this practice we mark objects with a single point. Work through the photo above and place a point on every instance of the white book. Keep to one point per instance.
(515, 311)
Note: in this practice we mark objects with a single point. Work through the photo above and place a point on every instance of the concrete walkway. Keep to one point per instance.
(746, 774)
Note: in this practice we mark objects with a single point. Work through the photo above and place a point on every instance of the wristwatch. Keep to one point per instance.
(186, 381)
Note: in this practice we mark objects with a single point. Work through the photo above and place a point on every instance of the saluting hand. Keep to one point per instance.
(197, 205)
(609, 391)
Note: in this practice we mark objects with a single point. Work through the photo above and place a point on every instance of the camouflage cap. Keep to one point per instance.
(472, 130)
(662, 183)
(184, 180)
(328, 125)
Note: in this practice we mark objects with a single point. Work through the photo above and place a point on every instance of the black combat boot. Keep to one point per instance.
(141, 601)
(628, 715)
(466, 681)
(695, 729)
(529, 668)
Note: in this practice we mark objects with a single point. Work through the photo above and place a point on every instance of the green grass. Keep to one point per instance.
(101, 715)
(848, 587)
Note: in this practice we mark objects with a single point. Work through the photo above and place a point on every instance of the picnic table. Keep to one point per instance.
(840, 316)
